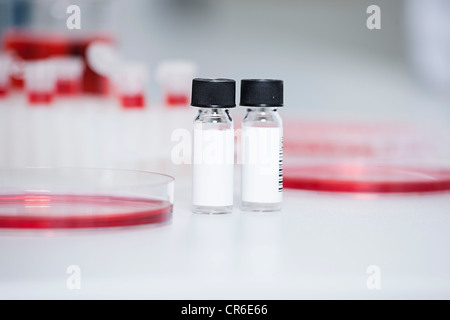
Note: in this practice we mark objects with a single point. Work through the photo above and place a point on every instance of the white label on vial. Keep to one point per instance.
(262, 164)
(213, 161)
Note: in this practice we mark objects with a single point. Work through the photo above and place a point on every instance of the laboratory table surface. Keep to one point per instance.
(321, 245)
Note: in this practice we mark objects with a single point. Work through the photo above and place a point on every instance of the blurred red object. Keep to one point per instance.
(40, 98)
(133, 101)
(355, 177)
(173, 100)
(68, 87)
(33, 46)
(3, 91)
(92, 81)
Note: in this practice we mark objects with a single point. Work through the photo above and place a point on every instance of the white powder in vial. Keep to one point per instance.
(213, 160)
(262, 156)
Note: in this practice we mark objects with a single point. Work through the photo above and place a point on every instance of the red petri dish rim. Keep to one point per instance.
(82, 198)
(132, 211)
(356, 178)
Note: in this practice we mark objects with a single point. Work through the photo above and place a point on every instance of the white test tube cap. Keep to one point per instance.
(68, 68)
(40, 76)
(130, 78)
(103, 58)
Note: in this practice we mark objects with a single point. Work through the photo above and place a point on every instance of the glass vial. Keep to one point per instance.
(213, 146)
(262, 145)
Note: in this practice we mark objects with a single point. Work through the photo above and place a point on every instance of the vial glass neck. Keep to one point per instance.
(214, 115)
(261, 109)
(214, 111)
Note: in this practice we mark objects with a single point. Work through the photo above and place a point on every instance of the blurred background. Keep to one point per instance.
(111, 92)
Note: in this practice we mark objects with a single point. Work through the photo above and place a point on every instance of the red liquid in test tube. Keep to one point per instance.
(133, 101)
(36, 97)
(175, 100)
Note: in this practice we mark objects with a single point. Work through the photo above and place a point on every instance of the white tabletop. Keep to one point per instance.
(322, 245)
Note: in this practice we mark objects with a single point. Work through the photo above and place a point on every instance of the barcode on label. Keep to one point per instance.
(280, 167)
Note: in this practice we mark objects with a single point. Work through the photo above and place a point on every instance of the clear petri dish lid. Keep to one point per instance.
(74, 198)
(366, 178)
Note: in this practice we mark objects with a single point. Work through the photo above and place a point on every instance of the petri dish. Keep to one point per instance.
(74, 198)
(363, 178)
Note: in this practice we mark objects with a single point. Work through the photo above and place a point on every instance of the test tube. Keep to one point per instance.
(69, 71)
(130, 80)
(174, 77)
(40, 80)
